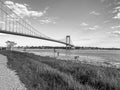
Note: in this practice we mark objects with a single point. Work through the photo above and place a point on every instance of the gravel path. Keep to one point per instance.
(8, 78)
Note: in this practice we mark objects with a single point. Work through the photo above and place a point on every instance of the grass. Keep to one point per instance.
(45, 73)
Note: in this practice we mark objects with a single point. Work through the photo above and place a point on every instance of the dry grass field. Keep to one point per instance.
(45, 73)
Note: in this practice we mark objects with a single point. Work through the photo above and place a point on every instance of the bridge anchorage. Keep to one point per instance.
(12, 23)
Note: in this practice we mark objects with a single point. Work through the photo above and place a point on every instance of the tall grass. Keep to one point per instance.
(45, 73)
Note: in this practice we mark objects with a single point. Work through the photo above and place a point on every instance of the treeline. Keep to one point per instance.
(41, 47)
(63, 47)
(96, 48)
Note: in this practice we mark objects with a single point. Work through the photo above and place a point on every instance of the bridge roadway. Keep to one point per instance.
(38, 37)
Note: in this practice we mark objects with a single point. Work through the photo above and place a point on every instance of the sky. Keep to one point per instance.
(94, 23)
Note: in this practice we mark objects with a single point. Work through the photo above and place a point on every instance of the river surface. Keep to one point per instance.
(101, 57)
(111, 55)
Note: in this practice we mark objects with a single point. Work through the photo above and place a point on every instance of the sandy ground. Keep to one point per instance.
(8, 78)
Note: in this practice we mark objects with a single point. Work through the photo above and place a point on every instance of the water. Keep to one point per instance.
(96, 57)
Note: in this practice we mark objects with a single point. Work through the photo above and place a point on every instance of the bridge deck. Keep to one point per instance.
(38, 37)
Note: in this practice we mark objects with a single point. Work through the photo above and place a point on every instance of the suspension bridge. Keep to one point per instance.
(11, 23)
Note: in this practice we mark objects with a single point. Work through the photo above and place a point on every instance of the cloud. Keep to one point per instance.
(106, 21)
(84, 24)
(116, 11)
(115, 27)
(89, 27)
(117, 16)
(93, 28)
(23, 11)
(94, 13)
(48, 20)
(116, 33)
(116, 2)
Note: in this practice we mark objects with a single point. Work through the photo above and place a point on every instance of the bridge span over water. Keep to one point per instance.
(12, 23)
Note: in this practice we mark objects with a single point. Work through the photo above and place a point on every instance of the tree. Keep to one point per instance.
(10, 45)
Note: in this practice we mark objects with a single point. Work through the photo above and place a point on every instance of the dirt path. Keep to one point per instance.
(8, 78)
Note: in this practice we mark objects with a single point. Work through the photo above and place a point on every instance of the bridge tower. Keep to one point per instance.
(68, 47)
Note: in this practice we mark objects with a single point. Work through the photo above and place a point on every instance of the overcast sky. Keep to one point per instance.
(88, 22)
